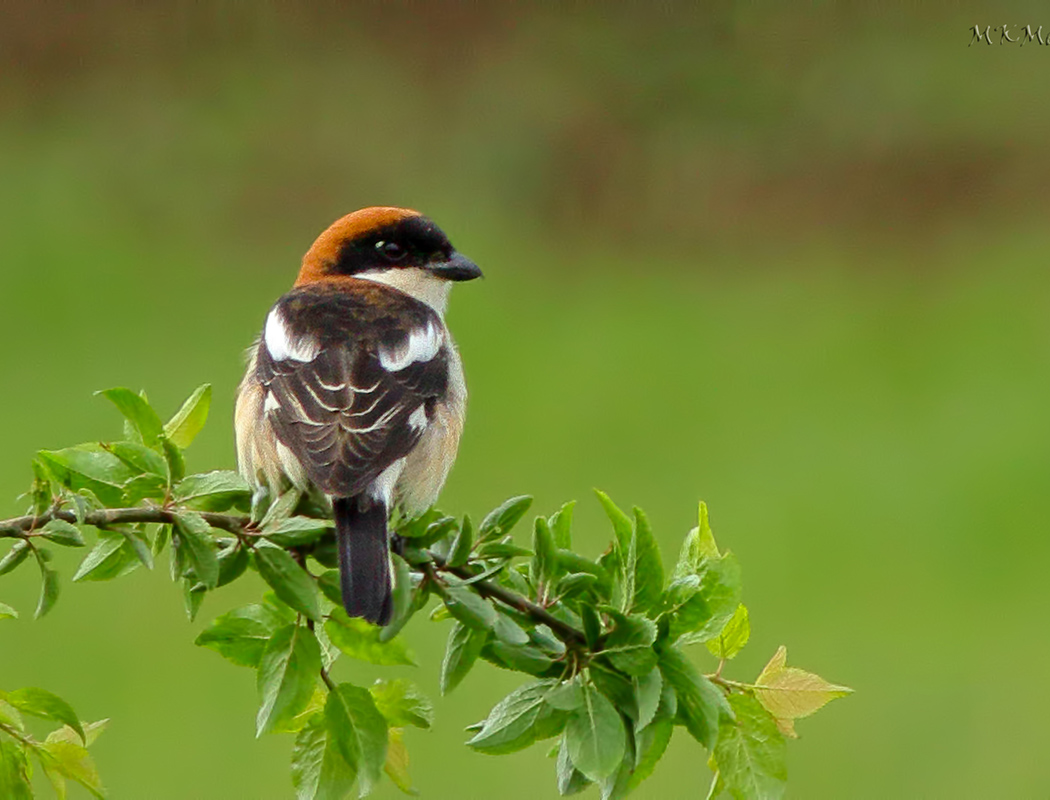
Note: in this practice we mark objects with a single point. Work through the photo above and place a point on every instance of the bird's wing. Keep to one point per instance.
(350, 400)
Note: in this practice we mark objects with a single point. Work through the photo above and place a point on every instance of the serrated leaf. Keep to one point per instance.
(14, 772)
(195, 540)
(790, 693)
(281, 509)
(72, 761)
(570, 780)
(469, 608)
(520, 658)
(648, 568)
(751, 753)
(519, 719)
(16, 555)
(401, 702)
(595, 736)
(289, 581)
(242, 635)
(464, 647)
(629, 645)
(359, 732)
(652, 740)
(648, 690)
(701, 704)
(63, 533)
(706, 611)
(288, 670)
(139, 458)
(360, 639)
(396, 767)
(319, 771)
(462, 545)
(213, 491)
(504, 517)
(183, 428)
(46, 705)
(699, 544)
(49, 589)
(90, 467)
(111, 557)
(233, 561)
(561, 526)
(296, 531)
(544, 555)
(734, 635)
(138, 412)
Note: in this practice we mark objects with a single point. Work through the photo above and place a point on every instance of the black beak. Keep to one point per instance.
(456, 268)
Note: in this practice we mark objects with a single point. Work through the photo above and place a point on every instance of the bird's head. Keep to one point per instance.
(395, 246)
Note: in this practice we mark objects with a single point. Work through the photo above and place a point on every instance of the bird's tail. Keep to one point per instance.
(364, 558)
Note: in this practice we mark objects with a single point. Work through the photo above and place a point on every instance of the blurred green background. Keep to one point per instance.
(789, 261)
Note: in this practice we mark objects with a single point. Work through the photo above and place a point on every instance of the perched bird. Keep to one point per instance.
(355, 386)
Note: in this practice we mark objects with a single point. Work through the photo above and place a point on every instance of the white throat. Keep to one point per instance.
(416, 283)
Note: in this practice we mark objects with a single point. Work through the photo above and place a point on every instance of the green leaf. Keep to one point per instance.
(139, 458)
(595, 736)
(90, 467)
(360, 639)
(462, 545)
(183, 428)
(699, 544)
(751, 753)
(504, 517)
(629, 645)
(175, 460)
(700, 605)
(6, 612)
(734, 635)
(289, 581)
(652, 740)
(138, 412)
(648, 569)
(63, 533)
(359, 732)
(401, 702)
(330, 586)
(242, 635)
(521, 658)
(213, 491)
(701, 704)
(281, 509)
(396, 766)
(49, 588)
(469, 608)
(288, 671)
(70, 760)
(519, 719)
(233, 561)
(621, 522)
(403, 599)
(194, 534)
(648, 690)
(575, 584)
(561, 526)
(112, 556)
(464, 647)
(319, 771)
(789, 693)
(14, 772)
(570, 780)
(296, 531)
(44, 704)
(16, 555)
(544, 558)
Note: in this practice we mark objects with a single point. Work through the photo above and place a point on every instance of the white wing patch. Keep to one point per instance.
(418, 418)
(422, 344)
(282, 346)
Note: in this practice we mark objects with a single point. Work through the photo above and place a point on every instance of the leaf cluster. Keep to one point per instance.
(602, 641)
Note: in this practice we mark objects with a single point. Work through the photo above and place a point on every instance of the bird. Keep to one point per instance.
(355, 387)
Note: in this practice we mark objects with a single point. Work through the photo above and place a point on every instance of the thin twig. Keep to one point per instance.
(20, 527)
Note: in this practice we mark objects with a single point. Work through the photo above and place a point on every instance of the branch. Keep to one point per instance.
(20, 527)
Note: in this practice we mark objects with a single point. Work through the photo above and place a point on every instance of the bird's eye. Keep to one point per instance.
(391, 251)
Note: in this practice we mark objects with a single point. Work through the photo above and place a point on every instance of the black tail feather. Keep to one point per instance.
(364, 558)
